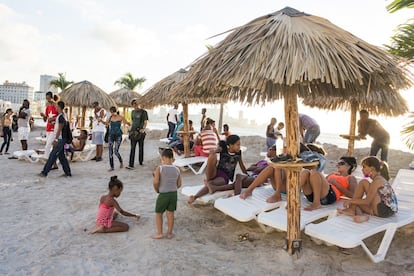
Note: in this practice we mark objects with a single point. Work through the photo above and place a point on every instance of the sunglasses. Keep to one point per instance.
(341, 163)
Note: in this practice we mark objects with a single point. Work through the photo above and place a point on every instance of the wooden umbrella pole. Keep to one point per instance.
(83, 116)
(70, 116)
(351, 142)
(186, 132)
(293, 240)
(221, 117)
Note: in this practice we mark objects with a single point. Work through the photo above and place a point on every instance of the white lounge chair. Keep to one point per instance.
(24, 155)
(247, 209)
(277, 219)
(343, 232)
(42, 140)
(206, 199)
(190, 162)
(86, 154)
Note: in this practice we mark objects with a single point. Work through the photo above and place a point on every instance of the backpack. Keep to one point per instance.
(67, 133)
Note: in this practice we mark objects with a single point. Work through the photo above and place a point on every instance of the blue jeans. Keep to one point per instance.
(57, 152)
(375, 147)
(311, 134)
(114, 140)
(7, 137)
(270, 141)
(171, 128)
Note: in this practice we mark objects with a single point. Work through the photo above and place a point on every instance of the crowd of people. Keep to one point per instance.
(223, 152)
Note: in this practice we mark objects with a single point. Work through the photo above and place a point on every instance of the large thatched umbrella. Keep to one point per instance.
(388, 104)
(83, 94)
(123, 98)
(284, 55)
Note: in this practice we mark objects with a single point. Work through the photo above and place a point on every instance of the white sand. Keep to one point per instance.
(43, 224)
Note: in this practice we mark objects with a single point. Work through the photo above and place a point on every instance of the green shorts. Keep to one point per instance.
(166, 201)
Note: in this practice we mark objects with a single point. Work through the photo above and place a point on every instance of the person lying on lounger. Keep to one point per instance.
(219, 175)
(321, 190)
(78, 144)
(379, 200)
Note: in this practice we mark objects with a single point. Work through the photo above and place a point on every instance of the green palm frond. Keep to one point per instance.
(402, 42)
(407, 132)
(60, 82)
(128, 81)
(400, 4)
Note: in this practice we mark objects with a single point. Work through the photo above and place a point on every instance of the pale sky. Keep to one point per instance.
(103, 39)
(100, 40)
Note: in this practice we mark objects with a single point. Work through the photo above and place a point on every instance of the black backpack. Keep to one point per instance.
(67, 133)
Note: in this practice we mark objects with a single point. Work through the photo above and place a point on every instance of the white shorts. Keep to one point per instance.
(98, 138)
(23, 133)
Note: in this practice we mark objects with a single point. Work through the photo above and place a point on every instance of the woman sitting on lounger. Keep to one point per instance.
(379, 200)
(321, 190)
(219, 175)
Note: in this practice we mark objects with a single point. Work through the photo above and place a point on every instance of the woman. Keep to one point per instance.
(115, 136)
(219, 175)
(376, 198)
(6, 122)
(322, 190)
(270, 133)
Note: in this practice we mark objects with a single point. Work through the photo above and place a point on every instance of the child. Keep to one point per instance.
(167, 180)
(379, 200)
(107, 204)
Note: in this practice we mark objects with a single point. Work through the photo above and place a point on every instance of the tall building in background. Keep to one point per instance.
(45, 83)
(16, 92)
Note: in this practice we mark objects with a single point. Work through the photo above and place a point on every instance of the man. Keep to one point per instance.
(49, 117)
(172, 119)
(309, 129)
(381, 138)
(203, 118)
(139, 118)
(61, 138)
(23, 123)
(98, 130)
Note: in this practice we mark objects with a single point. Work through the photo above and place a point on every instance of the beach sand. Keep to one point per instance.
(44, 224)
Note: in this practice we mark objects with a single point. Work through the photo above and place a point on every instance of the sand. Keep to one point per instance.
(44, 224)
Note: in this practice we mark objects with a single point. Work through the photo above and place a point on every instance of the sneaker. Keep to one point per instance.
(129, 167)
(66, 175)
(141, 163)
(98, 159)
(13, 157)
(93, 159)
(42, 174)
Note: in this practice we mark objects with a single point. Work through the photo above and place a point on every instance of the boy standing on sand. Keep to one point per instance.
(167, 179)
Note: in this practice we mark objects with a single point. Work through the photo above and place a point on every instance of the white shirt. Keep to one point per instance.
(172, 113)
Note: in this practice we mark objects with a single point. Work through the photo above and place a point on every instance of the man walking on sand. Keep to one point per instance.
(172, 120)
(98, 130)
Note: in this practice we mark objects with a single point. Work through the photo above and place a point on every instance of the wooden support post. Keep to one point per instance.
(351, 142)
(186, 131)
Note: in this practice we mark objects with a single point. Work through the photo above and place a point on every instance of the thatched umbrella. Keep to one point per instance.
(123, 98)
(284, 55)
(388, 104)
(83, 94)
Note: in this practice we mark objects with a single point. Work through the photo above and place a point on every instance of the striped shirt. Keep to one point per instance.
(208, 140)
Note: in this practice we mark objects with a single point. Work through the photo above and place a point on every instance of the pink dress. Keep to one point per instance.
(104, 216)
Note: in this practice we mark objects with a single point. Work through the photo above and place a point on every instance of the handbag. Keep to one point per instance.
(136, 135)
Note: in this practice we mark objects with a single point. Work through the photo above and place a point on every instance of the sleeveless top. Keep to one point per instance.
(342, 180)
(168, 178)
(98, 126)
(228, 163)
(105, 215)
(115, 128)
(208, 140)
(388, 197)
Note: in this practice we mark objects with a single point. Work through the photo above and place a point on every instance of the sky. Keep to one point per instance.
(101, 40)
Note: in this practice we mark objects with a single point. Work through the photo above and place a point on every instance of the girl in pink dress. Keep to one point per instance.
(105, 222)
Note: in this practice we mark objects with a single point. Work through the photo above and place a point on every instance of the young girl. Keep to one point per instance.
(167, 179)
(380, 199)
(219, 175)
(115, 136)
(6, 122)
(107, 204)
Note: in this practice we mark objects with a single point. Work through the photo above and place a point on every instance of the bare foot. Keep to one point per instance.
(245, 194)
(169, 235)
(158, 236)
(313, 206)
(98, 229)
(361, 218)
(274, 198)
(346, 211)
(191, 199)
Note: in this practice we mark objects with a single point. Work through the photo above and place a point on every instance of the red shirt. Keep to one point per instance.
(51, 112)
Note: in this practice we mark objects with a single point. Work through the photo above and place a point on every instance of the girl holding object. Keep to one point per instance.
(105, 222)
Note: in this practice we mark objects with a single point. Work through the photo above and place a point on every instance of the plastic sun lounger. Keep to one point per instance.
(206, 199)
(343, 232)
(277, 219)
(24, 155)
(190, 161)
(85, 154)
(247, 209)
(42, 140)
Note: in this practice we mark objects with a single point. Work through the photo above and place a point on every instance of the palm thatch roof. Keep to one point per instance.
(389, 104)
(85, 93)
(257, 62)
(124, 96)
(160, 92)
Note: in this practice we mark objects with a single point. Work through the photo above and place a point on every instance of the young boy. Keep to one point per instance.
(167, 180)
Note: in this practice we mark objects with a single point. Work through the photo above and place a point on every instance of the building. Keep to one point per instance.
(16, 92)
(45, 83)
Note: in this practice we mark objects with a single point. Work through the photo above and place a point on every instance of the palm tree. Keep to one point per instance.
(128, 81)
(402, 44)
(60, 82)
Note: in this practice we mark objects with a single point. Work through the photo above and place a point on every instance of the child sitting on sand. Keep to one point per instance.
(105, 217)
(167, 179)
(379, 200)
